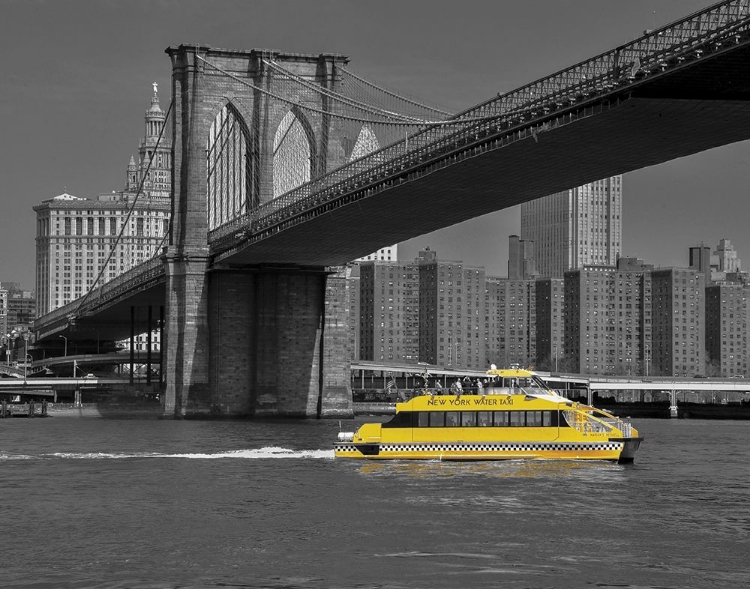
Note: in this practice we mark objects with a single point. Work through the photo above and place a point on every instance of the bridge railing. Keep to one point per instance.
(627, 64)
(133, 279)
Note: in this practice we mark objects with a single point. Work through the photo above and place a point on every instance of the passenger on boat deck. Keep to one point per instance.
(456, 388)
(438, 387)
(480, 388)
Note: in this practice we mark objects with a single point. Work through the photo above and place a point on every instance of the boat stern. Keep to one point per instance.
(364, 443)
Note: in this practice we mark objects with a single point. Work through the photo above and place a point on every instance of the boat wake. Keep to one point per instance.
(251, 454)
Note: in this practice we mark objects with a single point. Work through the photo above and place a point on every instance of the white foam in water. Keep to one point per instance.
(269, 452)
(261, 453)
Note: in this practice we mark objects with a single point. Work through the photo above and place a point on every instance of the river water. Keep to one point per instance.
(191, 504)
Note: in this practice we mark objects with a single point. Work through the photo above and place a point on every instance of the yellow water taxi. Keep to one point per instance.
(515, 416)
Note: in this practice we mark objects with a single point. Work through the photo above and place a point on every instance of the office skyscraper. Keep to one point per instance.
(77, 237)
(520, 258)
(577, 227)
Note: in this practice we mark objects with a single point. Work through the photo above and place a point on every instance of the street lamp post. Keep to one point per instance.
(12, 336)
(7, 348)
(29, 358)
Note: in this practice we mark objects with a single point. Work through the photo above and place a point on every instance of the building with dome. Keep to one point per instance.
(84, 242)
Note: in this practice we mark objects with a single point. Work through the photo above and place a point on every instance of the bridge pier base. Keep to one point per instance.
(279, 344)
(186, 341)
(271, 343)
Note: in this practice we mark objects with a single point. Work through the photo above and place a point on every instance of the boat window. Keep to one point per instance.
(451, 419)
(402, 419)
(484, 418)
(469, 419)
(517, 418)
(437, 419)
(501, 418)
(423, 419)
(546, 418)
(534, 418)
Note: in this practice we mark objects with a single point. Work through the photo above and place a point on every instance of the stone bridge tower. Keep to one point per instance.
(250, 340)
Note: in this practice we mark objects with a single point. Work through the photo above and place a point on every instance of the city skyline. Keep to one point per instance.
(73, 106)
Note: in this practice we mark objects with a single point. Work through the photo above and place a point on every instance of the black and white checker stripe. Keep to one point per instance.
(505, 447)
(519, 447)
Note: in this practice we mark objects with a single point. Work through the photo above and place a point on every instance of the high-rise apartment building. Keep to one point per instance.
(474, 303)
(608, 319)
(384, 254)
(451, 312)
(389, 312)
(81, 242)
(352, 289)
(678, 326)
(494, 341)
(574, 228)
(550, 342)
(516, 322)
(727, 316)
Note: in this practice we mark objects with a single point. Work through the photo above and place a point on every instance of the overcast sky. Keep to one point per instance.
(76, 81)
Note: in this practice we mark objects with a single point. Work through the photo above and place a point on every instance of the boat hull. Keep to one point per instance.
(616, 450)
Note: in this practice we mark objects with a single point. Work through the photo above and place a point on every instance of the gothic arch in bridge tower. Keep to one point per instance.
(367, 142)
(232, 183)
(293, 153)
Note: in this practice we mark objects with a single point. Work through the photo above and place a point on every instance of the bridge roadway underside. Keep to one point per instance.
(630, 134)
(113, 321)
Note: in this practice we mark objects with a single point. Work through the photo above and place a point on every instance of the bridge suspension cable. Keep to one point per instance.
(314, 110)
(370, 133)
(124, 227)
(345, 72)
(401, 120)
(344, 100)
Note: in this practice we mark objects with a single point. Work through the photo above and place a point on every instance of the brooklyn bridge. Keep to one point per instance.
(287, 166)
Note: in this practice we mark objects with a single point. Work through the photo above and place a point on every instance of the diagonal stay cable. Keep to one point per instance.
(127, 218)
(340, 97)
(394, 95)
(415, 123)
